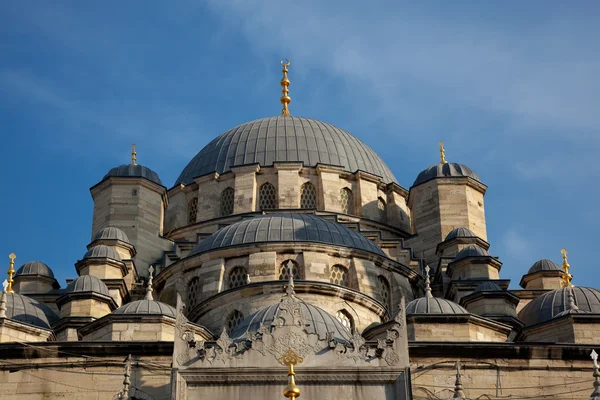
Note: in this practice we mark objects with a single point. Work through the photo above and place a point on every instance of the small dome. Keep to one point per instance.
(471, 251)
(102, 251)
(134, 171)
(460, 232)
(434, 305)
(286, 228)
(487, 286)
(552, 304)
(448, 170)
(544, 265)
(319, 322)
(35, 268)
(111, 233)
(87, 283)
(24, 309)
(146, 307)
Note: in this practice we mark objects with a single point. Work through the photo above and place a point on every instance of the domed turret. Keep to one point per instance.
(544, 265)
(111, 233)
(448, 170)
(460, 233)
(102, 251)
(34, 277)
(543, 275)
(35, 268)
(471, 251)
(24, 309)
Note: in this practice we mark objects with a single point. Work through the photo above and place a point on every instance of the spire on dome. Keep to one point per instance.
(290, 288)
(3, 300)
(458, 387)
(11, 272)
(571, 300)
(285, 82)
(566, 277)
(124, 393)
(596, 393)
(133, 155)
(290, 358)
(442, 154)
(149, 286)
(427, 283)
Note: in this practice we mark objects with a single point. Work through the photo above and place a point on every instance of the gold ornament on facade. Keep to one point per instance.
(133, 155)
(11, 272)
(285, 82)
(290, 358)
(442, 154)
(566, 276)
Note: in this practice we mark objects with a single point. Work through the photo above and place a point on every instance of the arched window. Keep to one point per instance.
(383, 290)
(284, 274)
(192, 210)
(267, 197)
(193, 291)
(339, 275)
(227, 202)
(345, 319)
(347, 201)
(234, 319)
(308, 196)
(382, 209)
(238, 277)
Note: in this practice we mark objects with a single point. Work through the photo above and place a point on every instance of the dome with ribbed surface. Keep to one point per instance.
(286, 228)
(487, 287)
(111, 233)
(102, 251)
(134, 171)
(460, 232)
(87, 283)
(471, 251)
(434, 305)
(24, 309)
(146, 307)
(544, 265)
(319, 322)
(551, 304)
(284, 139)
(449, 170)
(35, 268)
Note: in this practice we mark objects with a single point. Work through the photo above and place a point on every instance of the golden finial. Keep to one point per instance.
(11, 272)
(133, 155)
(285, 82)
(290, 358)
(566, 277)
(442, 154)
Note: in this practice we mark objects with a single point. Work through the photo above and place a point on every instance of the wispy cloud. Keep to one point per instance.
(516, 245)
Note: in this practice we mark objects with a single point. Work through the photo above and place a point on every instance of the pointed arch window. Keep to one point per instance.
(347, 201)
(284, 274)
(382, 209)
(383, 291)
(345, 319)
(192, 210)
(308, 196)
(193, 292)
(267, 197)
(234, 319)
(227, 197)
(238, 277)
(339, 275)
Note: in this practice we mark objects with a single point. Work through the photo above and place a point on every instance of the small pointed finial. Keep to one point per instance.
(3, 300)
(285, 82)
(596, 393)
(133, 155)
(11, 272)
(247, 278)
(290, 288)
(149, 286)
(458, 387)
(571, 300)
(290, 358)
(594, 357)
(442, 154)
(566, 276)
(427, 283)
(124, 394)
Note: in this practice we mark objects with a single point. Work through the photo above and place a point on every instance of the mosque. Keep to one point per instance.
(286, 261)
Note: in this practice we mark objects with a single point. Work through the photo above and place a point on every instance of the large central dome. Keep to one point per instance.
(280, 139)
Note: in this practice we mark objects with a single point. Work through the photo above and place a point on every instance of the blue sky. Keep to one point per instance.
(512, 88)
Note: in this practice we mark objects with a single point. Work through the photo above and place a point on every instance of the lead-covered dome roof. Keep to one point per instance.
(283, 139)
(471, 251)
(25, 309)
(544, 265)
(102, 251)
(134, 171)
(146, 307)
(87, 283)
(551, 304)
(434, 305)
(111, 233)
(285, 228)
(448, 170)
(35, 268)
(459, 233)
(318, 321)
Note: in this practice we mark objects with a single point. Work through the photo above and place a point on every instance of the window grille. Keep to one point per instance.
(268, 197)
(235, 318)
(284, 274)
(238, 277)
(382, 210)
(345, 319)
(308, 196)
(383, 290)
(192, 210)
(227, 197)
(347, 201)
(193, 291)
(339, 275)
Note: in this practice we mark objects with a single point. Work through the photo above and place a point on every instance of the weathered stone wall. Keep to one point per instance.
(453, 332)
(151, 331)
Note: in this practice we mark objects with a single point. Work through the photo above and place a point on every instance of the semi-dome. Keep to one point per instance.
(471, 251)
(111, 233)
(434, 305)
(544, 265)
(87, 283)
(102, 251)
(35, 268)
(460, 233)
(285, 228)
(146, 307)
(134, 171)
(551, 304)
(25, 309)
(487, 286)
(448, 170)
(283, 139)
(318, 321)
